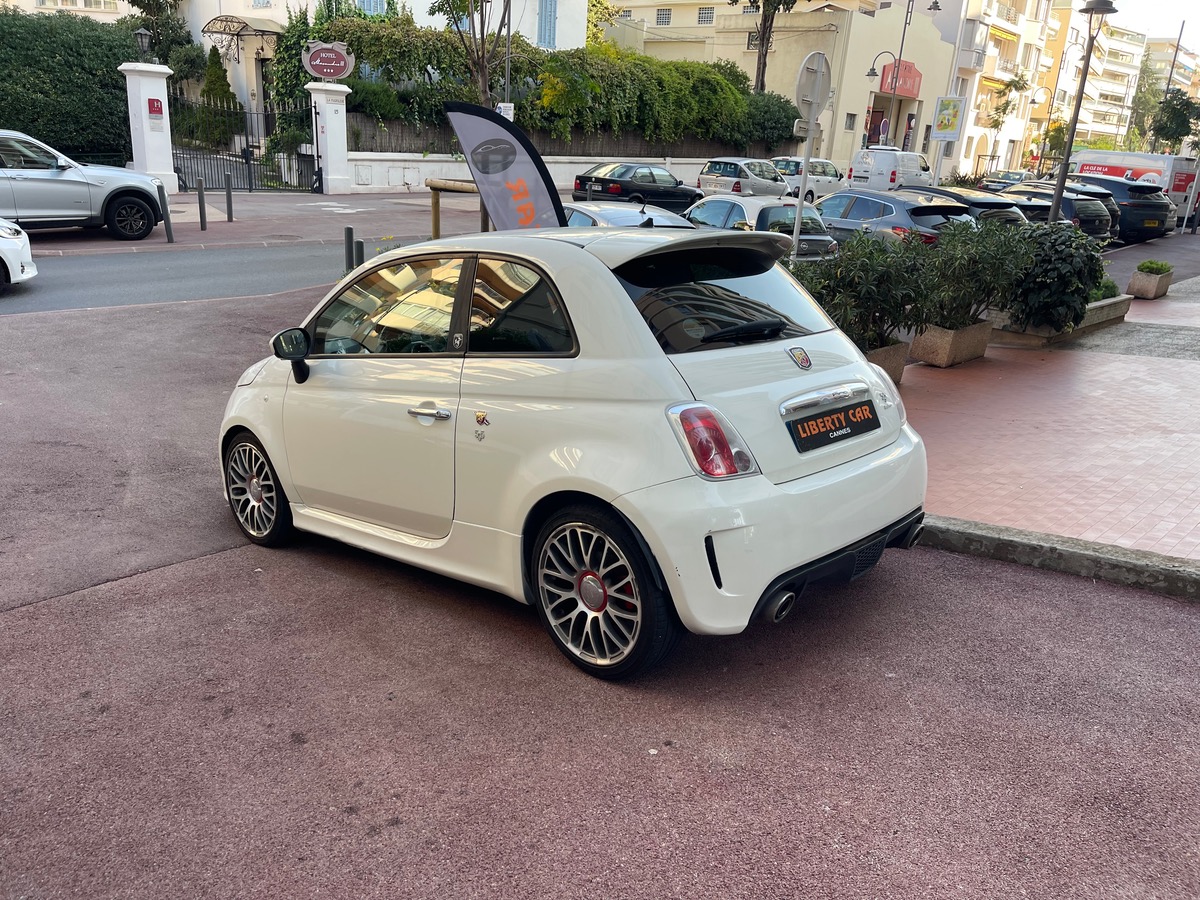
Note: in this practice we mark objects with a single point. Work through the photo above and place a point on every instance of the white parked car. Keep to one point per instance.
(740, 175)
(636, 431)
(823, 176)
(16, 260)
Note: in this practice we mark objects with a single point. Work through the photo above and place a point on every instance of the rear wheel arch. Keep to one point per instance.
(546, 508)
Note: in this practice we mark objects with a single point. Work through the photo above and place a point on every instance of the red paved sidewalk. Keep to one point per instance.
(1096, 440)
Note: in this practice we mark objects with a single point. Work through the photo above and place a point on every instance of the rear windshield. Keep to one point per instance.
(937, 218)
(1146, 192)
(688, 294)
(789, 166)
(1090, 208)
(1007, 215)
(782, 219)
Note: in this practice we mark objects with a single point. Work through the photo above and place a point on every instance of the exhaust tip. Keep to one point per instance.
(914, 536)
(779, 606)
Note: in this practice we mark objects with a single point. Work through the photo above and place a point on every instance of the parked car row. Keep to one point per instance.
(1103, 207)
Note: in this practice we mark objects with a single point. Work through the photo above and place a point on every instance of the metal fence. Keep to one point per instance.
(263, 150)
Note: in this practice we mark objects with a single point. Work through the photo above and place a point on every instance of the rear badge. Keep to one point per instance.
(800, 357)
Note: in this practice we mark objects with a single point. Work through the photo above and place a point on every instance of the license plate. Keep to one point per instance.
(1151, 223)
(825, 428)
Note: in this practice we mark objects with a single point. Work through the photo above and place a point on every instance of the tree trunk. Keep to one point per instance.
(765, 26)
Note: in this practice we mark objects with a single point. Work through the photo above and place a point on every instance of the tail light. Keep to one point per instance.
(890, 395)
(578, 185)
(1075, 221)
(893, 178)
(737, 187)
(712, 445)
(900, 231)
(613, 189)
(850, 173)
(697, 182)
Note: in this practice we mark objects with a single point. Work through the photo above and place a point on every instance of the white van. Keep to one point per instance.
(884, 168)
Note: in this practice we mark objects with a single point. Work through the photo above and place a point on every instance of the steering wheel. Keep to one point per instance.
(419, 347)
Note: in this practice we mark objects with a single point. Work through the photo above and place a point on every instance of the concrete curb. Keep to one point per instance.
(1167, 575)
(223, 245)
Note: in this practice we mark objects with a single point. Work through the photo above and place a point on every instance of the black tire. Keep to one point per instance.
(597, 595)
(129, 218)
(259, 505)
(809, 197)
(5, 280)
(638, 199)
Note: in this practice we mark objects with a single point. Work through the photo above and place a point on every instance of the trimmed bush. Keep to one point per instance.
(61, 83)
(1064, 270)
(1155, 267)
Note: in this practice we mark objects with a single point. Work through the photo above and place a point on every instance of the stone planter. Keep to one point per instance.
(1100, 314)
(1145, 286)
(891, 359)
(943, 347)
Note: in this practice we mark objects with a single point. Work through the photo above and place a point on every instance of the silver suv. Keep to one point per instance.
(41, 188)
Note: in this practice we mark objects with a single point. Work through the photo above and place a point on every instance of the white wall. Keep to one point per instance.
(377, 173)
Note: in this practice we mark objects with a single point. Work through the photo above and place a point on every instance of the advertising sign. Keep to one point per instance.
(330, 61)
(948, 118)
(514, 184)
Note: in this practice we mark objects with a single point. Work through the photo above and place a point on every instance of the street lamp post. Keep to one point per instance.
(874, 73)
(1095, 9)
(933, 7)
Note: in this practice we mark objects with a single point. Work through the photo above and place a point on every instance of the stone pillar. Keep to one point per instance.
(150, 121)
(330, 101)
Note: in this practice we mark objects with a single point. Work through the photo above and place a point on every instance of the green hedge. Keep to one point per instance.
(60, 81)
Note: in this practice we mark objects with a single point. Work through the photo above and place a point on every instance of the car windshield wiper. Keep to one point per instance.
(759, 329)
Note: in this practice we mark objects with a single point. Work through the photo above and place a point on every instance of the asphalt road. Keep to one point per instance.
(185, 715)
(118, 279)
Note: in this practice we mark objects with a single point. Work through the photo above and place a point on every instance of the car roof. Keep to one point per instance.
(751, 202)
(971, 195)
(739, 159)
(612, 246)
(1083, 188)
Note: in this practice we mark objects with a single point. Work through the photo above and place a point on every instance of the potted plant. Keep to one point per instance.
(972, 270)
(872, 290)
(1052, 297)
(1151, 280)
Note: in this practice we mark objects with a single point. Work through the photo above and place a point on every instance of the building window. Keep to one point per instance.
(751, 9)
(106, 5)
(370, 7)
(547, 27)
(626, 14)
(662, 17)
(851, 121)
(706, 15)
(752, 41)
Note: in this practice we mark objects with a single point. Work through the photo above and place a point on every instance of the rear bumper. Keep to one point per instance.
(723, 547)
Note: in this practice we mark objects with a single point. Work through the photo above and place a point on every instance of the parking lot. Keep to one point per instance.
(182, 714)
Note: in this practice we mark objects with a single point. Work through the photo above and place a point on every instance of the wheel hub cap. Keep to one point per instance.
(255, 489)
(592, 592)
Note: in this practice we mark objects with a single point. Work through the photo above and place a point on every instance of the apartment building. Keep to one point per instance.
(101, 10)
(1186, 73)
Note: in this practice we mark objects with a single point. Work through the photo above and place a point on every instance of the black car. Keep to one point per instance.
(986, 206)
(1035, 209)
(637, 183)
(1089, 213)
(1091, 191)
(1146, 212)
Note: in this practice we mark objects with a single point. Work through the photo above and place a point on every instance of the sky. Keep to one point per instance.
(1160, 18)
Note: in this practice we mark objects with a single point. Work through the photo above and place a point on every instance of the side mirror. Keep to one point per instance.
(292, 344)
(62, 163)
(678, 182)
(840, 176)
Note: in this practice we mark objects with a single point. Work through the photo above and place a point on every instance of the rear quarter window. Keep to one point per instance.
(686, 295)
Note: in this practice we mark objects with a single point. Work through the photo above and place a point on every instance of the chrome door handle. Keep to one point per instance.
(419, 411)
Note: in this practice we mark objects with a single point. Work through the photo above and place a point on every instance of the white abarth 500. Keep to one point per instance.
(636, 431)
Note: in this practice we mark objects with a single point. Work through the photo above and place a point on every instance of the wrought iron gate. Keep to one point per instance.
(262, 150)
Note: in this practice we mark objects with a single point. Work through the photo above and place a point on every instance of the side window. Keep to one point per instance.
(711, 168)
(864, 209)
(515, 310)
(834, 206)
(19, 154)
(663, 177)
(397, 309)
(642, 175)
(578, 219)
(924, 162)
(711, 213)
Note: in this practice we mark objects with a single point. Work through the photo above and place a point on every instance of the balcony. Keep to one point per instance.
(1001, 15)
(971, 59)
(1001, 67)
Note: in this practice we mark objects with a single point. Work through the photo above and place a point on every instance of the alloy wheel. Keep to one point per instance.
(590, 594)
(252, 490)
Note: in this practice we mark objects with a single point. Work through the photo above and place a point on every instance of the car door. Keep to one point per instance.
(866, 216)
(665, 192)
(40, 190)
(833, 211)
(370, 432)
